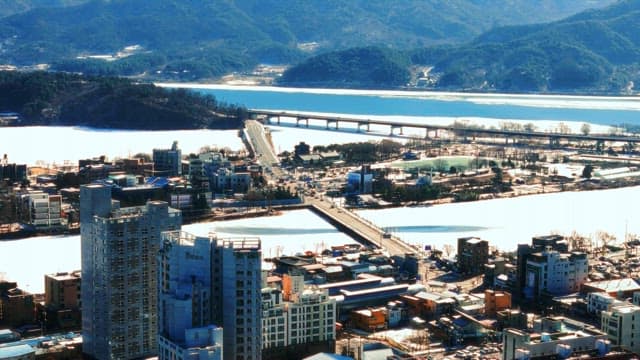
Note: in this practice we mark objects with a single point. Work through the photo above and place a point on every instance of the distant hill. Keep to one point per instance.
(370, 67)
(43, 98)
(11, 7)
(198, 39)
(597, 51)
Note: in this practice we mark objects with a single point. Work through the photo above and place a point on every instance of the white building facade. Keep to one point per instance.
(44, 209)
(187, 330)
(622, 326)
(553, 273)
(308, 317)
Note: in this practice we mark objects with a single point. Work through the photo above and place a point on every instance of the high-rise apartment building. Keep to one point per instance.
(206, 282)
(187, 329)
(237, 285)
(120, 273)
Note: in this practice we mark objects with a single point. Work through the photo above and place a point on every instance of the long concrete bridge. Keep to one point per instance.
(359, 228)
(333, 122)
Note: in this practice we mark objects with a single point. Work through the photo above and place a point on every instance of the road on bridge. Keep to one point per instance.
(264, 152)
(267, 158)
(366, 229)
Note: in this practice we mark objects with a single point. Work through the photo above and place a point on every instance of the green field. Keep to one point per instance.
(442, 163)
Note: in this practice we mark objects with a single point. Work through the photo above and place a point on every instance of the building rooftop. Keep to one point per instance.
(61, 276)
(608, 286)
(15, 351)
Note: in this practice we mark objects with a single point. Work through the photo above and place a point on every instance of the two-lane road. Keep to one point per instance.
(264, 152)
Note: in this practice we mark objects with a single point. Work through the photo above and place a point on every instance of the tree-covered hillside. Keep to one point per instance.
(196, 39)
(597, 51)
(43, 98)
(11, 7)
(370, 67)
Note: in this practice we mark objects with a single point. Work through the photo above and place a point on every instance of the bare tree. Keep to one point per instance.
(585, 129)
(448, 249)
(564, 128)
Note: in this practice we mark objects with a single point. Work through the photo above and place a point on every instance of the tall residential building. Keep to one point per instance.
(205, 282)
(185, 315)
(551, 273)
(119, 289)
(301, 326)
(237, 284)
(622, 325)
(168, 162)
(473, 254)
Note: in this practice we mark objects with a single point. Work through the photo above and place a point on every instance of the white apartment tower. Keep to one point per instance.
(187, 329)
(237, 283)
(207, 281)
(119, 289)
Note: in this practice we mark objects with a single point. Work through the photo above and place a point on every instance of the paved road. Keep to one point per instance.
(267, 157)
(264, 151)
(366, 229)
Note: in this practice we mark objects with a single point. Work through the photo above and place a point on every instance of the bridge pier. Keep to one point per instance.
(360, 124)
(306, 120)
(435, 133)
(554, 141)
(329, 122)
(393, 127)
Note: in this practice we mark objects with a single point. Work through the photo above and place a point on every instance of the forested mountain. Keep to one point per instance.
(197, 39)
(596, 51)
(10, 7)
(45, 98)
(370, 67)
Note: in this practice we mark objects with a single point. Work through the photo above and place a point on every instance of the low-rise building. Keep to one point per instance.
(551, 336)
(597, 302)
(300, 326)
(45, 210)
(370, 320)
(226, 180)
(554, 273)
(16, 305)
(17, 352)
(473, 254)
(622, 325)
(62, 299)
(616, 288)
(495, 301)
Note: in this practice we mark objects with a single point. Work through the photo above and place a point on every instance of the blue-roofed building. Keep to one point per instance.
(18, 352)
(7, 335)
